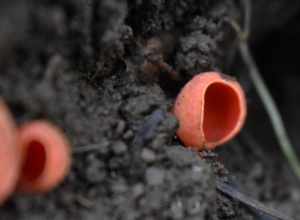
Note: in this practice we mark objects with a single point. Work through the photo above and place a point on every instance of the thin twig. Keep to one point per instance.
(85, 202)
(85, 149)
(253, 204)
(264, 94)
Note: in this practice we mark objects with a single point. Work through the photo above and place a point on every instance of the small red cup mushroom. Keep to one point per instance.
(9, 155)
(211, 110)
(46, 157)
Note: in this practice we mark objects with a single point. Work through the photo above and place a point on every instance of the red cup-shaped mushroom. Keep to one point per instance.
(46, 157)
(211, 110)
(9, 155)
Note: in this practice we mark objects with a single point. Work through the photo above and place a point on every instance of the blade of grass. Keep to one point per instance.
(271, 108)
(263, 92)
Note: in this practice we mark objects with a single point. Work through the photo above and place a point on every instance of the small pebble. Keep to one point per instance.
(197, 173)
(119, 147)
(120, 127)
(155, 176)
(95, 172)
(148, 155)
(159, 141)
(177, 210)
(103, 146)
(155, 199)
(193, 206)
(120, 187)
(128, 135)
(137, 190)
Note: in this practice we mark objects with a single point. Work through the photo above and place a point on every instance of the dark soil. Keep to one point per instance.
(81, 64)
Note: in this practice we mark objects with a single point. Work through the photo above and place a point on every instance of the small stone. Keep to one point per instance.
(159, 141)
(95, 172)
(177, 210)
(128, 135)
(197, 173)
(137, 190)
(155, 199)
(119, 147)
(148, 155)
(193, 206)
(103, 146)
(182, 156)
(119, 187)
(120, 127)
(115, 163)
(155, 176)
(92, 159)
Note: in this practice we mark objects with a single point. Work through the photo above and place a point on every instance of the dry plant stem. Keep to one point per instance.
(271, 109)
(263, 92)
(246, 4)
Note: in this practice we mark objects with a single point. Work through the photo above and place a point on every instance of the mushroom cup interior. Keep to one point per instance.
(34, 161)
(221, 111)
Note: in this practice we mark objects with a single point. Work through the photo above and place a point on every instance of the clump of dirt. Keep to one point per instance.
(78, 64)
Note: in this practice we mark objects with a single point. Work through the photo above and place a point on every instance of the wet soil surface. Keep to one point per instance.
(83, 65)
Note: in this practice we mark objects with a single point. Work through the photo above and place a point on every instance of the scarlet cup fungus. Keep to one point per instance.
(9, 157)
(211, 109)
(46, 157)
